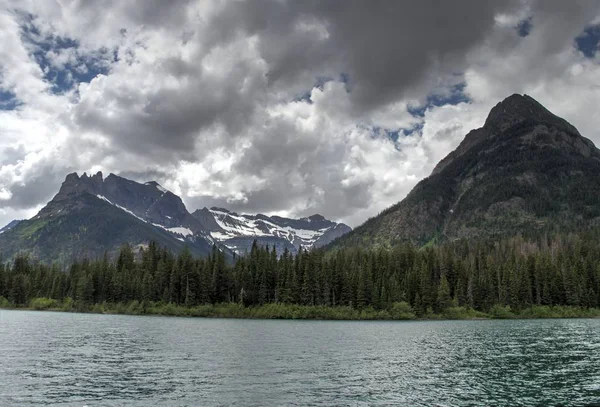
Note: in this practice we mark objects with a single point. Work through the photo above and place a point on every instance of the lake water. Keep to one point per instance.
(67, 359)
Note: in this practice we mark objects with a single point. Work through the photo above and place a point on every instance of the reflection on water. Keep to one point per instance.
(109, 360)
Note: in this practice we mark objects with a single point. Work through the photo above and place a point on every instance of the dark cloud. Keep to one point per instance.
(37, 188)
(386, 49)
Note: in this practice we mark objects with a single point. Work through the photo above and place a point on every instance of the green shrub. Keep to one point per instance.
(134, 308)
(4, 303)
(68, 304)
(501, 312)
(43, 303)
(463, 313)
(401, 310)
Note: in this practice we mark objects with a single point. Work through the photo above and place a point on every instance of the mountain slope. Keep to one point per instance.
(10, 225)
(526, 170)
(90, 215)
(238, 232)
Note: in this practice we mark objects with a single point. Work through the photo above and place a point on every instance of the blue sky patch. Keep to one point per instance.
(588, 41)
(63, 76)
(524, 27)
(8, 100)
(395, 134)
(455, 97)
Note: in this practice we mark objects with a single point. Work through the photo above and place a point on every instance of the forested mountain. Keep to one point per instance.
(239, 231)
(525, 171)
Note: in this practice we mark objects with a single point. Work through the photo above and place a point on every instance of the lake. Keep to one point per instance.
(65, 359)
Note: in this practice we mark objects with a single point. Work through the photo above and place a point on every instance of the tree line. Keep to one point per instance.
(562, 269)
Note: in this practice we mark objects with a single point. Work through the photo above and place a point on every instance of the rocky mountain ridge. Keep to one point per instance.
(91, 215)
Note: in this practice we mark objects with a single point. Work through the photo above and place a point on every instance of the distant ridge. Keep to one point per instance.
(238, 232)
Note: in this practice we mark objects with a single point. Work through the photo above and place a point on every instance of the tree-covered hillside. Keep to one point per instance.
(475, 275)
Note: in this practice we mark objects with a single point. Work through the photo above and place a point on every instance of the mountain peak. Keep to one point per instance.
(74, 185)
(519, 108)
(95, 215)
(515, 106)
(72, 177)
(316, 218)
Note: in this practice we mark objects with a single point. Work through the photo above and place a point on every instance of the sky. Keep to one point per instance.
(336, 107)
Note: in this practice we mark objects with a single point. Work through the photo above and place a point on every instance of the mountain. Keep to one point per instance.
(91, 215)
(10, 225)
(238, 232)
(525, 171)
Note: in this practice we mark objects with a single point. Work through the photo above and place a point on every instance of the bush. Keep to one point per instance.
(501, 312)
(401, 310)
(134, 308)
(4, 303)
(463, 313)
(68, 304)
(99, 308)
(43, 303)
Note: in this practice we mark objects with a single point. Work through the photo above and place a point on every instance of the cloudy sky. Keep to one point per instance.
(287, 107)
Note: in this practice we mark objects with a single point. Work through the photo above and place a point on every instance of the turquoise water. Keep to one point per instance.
(67, 359)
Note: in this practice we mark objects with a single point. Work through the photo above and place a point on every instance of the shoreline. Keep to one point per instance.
(306, 312)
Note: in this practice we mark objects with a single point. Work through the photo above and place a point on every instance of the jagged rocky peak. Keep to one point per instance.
(71, 178)
(75, 185)
(95, 214)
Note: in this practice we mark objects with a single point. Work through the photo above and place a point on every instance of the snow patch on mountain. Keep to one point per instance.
(120, 207)
(177, 230)
(237, 231)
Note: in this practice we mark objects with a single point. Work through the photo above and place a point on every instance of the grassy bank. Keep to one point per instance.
(398, 311)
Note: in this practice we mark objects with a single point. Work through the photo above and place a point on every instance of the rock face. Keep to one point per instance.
(238, 232)
(149, 201)
(525, 171)
(91, 215)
